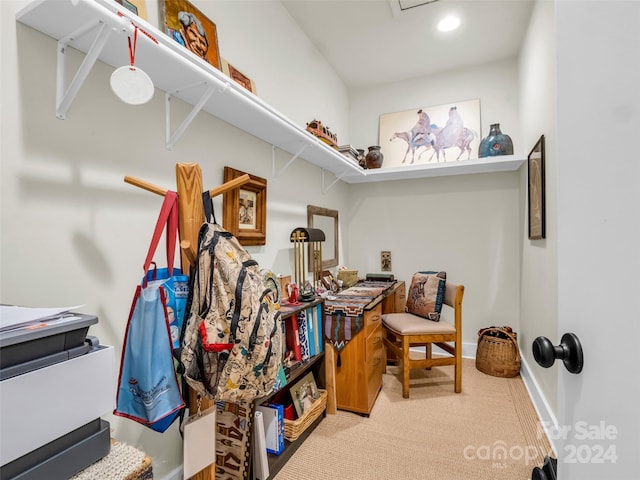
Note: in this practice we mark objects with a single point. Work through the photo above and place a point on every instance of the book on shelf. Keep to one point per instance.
(260, 459)
(312, 337)
(303, 335)
(292, 337)
(319, 328)
(273, 419)
(281, 378)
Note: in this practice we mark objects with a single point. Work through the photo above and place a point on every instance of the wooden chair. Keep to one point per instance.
(405, 330)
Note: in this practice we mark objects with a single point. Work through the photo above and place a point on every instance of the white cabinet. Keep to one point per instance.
(99, 29)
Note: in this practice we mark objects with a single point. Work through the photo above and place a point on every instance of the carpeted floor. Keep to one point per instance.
(490, 431)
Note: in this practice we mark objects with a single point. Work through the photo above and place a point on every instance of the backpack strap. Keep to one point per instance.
(207, 204)
(235, 320)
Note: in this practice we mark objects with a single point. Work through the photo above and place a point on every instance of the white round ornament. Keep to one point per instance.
(132, 85)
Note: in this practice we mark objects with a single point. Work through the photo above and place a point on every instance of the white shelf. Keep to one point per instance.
(503, 163)
(181, 74)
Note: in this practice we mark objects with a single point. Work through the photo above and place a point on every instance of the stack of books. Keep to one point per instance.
(304, 336)
(350, 152)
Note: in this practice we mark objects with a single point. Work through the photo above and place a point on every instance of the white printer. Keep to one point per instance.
(55, 383)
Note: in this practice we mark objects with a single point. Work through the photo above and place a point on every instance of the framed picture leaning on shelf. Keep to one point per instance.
(443, 133)
(191, 28)
(304, 394)
(240, 78)
(138, 7)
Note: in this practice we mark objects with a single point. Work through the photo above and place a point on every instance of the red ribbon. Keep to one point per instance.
(132, 51)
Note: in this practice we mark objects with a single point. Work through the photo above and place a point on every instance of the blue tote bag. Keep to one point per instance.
(148, 388)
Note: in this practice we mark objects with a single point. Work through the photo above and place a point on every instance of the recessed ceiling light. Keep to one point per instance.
(449, 23)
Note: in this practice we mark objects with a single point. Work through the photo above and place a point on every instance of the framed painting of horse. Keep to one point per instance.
(443, 133)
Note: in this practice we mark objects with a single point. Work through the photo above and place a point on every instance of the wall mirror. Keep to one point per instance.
(326, 220)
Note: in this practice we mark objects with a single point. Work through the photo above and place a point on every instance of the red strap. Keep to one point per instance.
(168, 218)
(132, 51)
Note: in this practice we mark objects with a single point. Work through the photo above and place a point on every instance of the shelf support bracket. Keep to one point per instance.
(293, 159)
(65, 98)
(326, 188)
(172, 139)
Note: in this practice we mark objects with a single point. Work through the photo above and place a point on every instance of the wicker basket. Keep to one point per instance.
(497, 356)
(294, 428)
(349, 277)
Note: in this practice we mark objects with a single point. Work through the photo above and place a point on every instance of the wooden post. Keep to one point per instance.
(189, 183)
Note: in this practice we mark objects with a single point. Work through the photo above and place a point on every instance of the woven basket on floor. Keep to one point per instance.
(294, 428)
(497, 356)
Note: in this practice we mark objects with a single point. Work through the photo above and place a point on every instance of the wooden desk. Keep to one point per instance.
(359, 365)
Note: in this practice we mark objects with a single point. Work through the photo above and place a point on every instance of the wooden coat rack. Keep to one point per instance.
(191, 213)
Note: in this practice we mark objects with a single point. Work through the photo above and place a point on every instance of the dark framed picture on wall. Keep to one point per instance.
(536, 193)
(244, 209)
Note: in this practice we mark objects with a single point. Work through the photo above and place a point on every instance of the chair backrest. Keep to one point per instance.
(453, 297)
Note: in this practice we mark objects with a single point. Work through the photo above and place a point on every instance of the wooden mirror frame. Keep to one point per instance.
(329, 259)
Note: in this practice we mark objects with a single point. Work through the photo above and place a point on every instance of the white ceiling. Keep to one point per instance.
(371, 42)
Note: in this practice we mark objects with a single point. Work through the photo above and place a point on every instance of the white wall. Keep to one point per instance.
(72, 232)
(495, 84)
(467, 225)
(539, 267)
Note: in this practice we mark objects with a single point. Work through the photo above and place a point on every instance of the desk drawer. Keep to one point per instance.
(374, 354)
(372, 319)
(373, 346)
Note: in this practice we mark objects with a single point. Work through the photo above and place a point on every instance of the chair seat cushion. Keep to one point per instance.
(410, 324)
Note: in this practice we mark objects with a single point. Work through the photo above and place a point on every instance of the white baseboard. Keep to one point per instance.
(175, 474)
(544, 411)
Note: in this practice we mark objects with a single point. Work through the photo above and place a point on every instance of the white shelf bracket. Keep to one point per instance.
(326, 188)
(293, 159)
(65, 98)
(172, 139)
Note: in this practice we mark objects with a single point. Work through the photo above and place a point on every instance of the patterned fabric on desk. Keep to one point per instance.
(344, 315)
(365, 289)
(343, 319)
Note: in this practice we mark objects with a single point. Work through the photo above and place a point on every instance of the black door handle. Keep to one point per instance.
(549, 470)
(569, 351)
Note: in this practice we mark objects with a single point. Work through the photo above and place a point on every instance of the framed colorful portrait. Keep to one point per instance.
(244, 209)
(240, 78)
(191, 28)
(443, 133)
(536, 192)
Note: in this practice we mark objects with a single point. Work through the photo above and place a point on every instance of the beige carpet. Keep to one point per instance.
(490, 431)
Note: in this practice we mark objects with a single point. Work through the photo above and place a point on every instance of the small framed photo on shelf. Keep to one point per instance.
(240, 78)
(284, 281)
(304, 394)
(138, 7)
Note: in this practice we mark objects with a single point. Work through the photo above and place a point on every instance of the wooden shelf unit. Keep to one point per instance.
(315, 364)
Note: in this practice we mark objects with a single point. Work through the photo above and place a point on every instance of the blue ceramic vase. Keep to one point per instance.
(496, 143)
